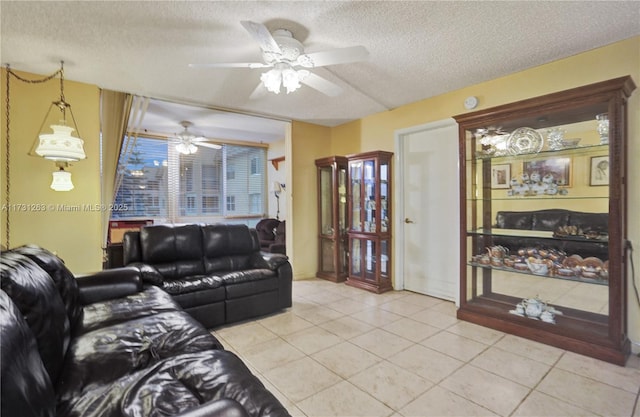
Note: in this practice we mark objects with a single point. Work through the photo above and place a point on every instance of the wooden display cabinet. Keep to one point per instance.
(332, 218)
(369, 208)
(510, 161)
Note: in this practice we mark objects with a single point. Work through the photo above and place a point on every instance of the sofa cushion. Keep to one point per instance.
(191, 284)
(167, 243)
(63, 279)
(549, 220)
(228, 239)
(35, 295)
(236, 277)
(146, 303)
(199, 298)
(514, 220)
(131, 251)
(175, 385)
(598, 222)
(130, 346)
(251, 287)
(26, 387)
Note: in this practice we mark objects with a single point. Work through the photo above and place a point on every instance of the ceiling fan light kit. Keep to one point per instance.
(283, 75)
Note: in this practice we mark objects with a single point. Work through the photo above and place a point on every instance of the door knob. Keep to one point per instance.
(408, 220)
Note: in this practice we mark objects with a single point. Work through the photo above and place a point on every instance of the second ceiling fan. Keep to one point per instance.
(187, 143)
(285, 56)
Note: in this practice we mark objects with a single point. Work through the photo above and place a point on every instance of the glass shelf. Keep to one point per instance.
(576, 150)
(537, 234)
(539, 197)
(549, 276)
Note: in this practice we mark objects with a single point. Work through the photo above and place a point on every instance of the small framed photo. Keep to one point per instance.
(556, 170)
(500, 176)
(599, 170)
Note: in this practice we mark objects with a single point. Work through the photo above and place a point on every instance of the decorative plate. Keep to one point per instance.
(525, 140)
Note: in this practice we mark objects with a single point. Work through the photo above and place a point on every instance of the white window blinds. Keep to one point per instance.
(156, 182)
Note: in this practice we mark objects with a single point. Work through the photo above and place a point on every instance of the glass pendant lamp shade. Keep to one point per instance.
(60, 146)
(61, 181)
(186, 148)
(283, 75)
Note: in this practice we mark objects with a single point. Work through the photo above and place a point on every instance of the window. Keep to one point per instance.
(210, 204)
(156, 182)
(231, 203)
(231, 172)
(255, 203)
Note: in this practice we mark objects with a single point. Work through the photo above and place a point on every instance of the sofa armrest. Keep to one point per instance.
(219, 408)
(271, 261)
(109, 284)
(148, 273)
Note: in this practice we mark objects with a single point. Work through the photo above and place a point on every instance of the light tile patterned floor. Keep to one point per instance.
(341, 351)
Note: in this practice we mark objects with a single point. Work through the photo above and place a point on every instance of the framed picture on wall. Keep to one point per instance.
(599, 170)
(557, 168)
(500, 176)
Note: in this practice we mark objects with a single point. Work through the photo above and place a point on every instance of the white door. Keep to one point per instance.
(429, 218)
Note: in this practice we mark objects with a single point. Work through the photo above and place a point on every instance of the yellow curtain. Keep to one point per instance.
(114, 113)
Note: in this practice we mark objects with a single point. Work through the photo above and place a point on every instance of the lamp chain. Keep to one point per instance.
(7, 228)
(8, 137)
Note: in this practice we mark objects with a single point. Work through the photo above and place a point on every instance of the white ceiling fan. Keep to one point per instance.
(187, 143)
(285, 55)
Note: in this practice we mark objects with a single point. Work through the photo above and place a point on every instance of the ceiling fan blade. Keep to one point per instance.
(250, 65)
(322, 84)
(333, 56)
(208, 145)
(261, 34)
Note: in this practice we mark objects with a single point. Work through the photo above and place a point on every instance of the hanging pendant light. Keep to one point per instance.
(61, 180)
(61, 146)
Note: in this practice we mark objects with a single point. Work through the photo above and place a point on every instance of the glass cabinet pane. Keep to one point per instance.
(356, 258)
(342, 200)
(356, 197)
(326, 200)
(327, 258)
(384, 258)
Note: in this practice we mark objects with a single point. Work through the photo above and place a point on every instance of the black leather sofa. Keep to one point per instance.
(217, 273)
(103, 345)
(554, 220)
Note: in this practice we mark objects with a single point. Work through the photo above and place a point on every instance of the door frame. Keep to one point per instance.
(398, 197)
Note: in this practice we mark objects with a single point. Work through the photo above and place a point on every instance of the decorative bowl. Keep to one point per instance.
(538, 266)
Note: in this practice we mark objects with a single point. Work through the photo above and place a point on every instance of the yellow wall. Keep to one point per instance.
(36, 213)
(309, 142)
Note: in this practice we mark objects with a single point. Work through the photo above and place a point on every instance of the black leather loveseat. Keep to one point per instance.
(103, 346)
(217, 273)
(556, 220)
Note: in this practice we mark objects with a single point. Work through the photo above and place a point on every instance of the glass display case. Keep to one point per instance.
(369, 207)
(543, 220)
(332, 218)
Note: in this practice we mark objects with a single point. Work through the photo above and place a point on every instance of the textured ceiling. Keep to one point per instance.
(418, 49)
